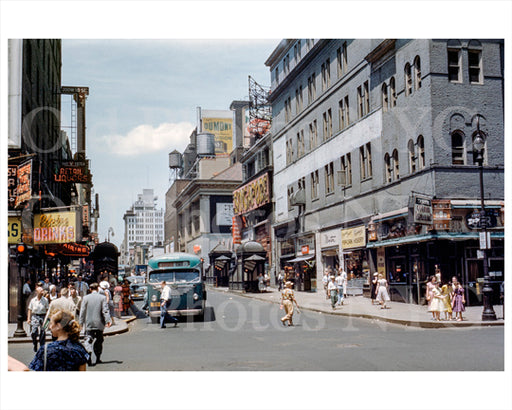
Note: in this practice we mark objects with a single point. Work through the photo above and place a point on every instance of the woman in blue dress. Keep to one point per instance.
(66, 353)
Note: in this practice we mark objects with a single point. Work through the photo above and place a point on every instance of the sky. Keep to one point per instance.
(142, 103)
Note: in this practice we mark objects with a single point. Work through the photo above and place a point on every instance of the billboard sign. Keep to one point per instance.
(55, 227)
(222, 128)
(24, 188)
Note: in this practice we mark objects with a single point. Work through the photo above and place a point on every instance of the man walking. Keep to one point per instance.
(37, 309)
(81, 286)
(94, 316)
(339, 284)
(165, 301)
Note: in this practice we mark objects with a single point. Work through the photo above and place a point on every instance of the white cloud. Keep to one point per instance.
(145, 139)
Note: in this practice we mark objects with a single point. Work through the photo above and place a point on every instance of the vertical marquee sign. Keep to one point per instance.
(24, 187)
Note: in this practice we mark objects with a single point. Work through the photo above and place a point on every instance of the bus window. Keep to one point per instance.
(184, 276)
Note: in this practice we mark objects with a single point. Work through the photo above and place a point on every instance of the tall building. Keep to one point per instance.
(144, 228)
(374, 163)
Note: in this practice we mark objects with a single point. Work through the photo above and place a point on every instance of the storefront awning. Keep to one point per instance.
(255, 258)
(301, 258)
(453, 236)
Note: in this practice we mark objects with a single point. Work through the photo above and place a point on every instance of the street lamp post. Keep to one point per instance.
(479, 147)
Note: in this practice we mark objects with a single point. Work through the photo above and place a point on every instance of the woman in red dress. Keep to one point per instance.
(125, 296)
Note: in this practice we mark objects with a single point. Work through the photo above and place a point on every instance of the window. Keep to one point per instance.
(412, 157)
(392, 86)
(346, 169)
(366, 98)
(276, 74)
(298, 99)
(387, 168)
(457, 148)
(396, 165)
(290, 194)
(313, 135)
(341, 56)
(314, 185)
(327, 124)
(363, 100)
(286, 64)
(475, 62)
(365, 160)
(288, 109)
(385, 101)
(346, 118)
(311, 88)
(417, 73)
(299, 51)
(421, 152)
(289, 152)
(408, 79)
(454, 63)
(329, 178)
(326, 75)
(300, 144)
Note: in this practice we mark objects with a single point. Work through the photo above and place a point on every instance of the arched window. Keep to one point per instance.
(412, 156)
(408, 79)
(392, 86)
(396, 165)
(387, 167)
(417, 73)
(385, 97)
(420, 144)
(457, 148)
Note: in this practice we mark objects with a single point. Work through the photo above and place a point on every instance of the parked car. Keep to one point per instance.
(137, 287)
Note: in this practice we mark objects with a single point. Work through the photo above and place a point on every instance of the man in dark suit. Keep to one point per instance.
(94, 315)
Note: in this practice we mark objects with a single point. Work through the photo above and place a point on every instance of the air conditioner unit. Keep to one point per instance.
(298, 198)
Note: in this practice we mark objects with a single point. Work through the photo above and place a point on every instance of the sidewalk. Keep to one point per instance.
(120, 326)
(360, 306)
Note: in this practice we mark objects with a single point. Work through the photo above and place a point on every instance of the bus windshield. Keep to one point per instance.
(182, 276)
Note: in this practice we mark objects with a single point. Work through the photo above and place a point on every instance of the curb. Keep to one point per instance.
(122, 329)
(402, 322)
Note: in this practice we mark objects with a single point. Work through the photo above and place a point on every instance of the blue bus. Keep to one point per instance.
(183, 273)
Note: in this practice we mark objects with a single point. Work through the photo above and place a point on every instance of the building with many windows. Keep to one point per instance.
(374, 164)
(144, 227)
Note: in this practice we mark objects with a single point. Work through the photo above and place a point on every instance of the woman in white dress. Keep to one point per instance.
(382, 291)
(437, 304)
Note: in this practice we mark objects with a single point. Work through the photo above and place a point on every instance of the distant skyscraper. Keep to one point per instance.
(143, 222)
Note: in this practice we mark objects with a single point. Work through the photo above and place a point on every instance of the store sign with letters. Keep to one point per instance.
(252, 195)
(353, 237)
(56, 227)
(422, 210)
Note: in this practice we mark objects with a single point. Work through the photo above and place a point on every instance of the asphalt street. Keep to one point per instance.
(241, 334)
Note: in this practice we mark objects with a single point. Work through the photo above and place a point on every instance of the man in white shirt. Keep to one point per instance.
(339, 285)
(332, 290)
(344, 278)
(165, 301)
(36, 312)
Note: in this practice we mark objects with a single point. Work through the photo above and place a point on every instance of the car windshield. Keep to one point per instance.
(174, 276)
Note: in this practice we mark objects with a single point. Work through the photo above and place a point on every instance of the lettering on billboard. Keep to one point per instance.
(353, 237)
(57, 227)
(252, 195)
(73, 172)
(12, 185)
(224, 214)
(14, 229)
(222, 128)
(24, 189)
(423, 210)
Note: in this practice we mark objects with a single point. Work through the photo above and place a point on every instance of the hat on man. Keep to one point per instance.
(376, 274)
(104, 284)
(288, 284)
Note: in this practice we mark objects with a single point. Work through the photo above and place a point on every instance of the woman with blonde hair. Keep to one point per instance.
(287, 300)
(66, 353)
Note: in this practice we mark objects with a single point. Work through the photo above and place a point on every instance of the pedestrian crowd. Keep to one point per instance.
(445, 297)
(65, 307)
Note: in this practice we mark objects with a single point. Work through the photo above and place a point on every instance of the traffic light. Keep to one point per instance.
(21, 254)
